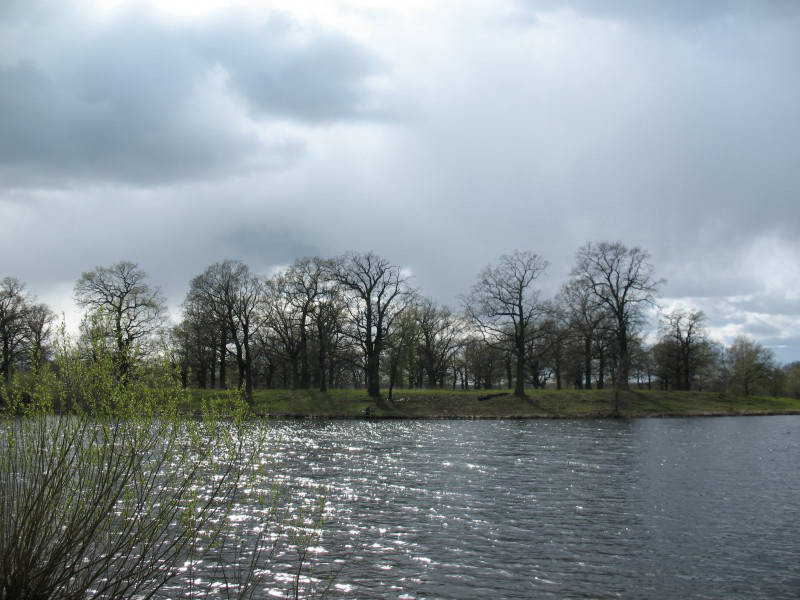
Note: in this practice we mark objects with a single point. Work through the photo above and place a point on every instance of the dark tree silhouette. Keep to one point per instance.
(503, 305)
(621, 279)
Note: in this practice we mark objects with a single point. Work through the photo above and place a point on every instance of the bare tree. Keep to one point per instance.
(482, 361)
(401, 346)
(306, 279)
(549, 343)
(622, 280)
(439, 331)
(503, 304)
(328, 315)
(375, 292)
(684, 333)
(13, 327)
(248, 319)
(586, 317)
(199, 332)
(284, 322)
(132, 309)
(234, 297)
(39, 320)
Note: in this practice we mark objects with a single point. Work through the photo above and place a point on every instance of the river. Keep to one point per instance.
(644, 508)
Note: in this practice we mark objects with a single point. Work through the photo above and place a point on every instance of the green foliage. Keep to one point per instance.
(752, 368)
(109, 490)
(792, 380)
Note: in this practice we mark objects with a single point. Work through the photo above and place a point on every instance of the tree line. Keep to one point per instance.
(356, 321)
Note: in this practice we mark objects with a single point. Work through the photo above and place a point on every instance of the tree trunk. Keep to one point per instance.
(305, 373)
(430, 368)
(373, 379)
(323, 382)
(294, 360)
(393, 368)
(687, 379)
(601, 370)
(6, 366)
(248, 372)
(223, 349)
(202, 375)
(519, 384)
(587, 362)
(623, 370)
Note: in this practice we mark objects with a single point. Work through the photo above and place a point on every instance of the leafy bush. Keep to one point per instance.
(108, 491)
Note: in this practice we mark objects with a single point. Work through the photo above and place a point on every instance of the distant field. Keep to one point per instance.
(501, 404)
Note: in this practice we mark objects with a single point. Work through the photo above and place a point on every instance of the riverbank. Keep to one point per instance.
(501, 404)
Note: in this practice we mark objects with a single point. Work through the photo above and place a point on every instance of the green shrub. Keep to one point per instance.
(108, 491)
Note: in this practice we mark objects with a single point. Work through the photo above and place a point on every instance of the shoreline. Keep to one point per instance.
(582, 417)
(502, 404)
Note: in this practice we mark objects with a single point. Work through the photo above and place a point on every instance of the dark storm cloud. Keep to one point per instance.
(137, 100)
(264, 247)
(317, 78)
(173, 234)
(668, 125)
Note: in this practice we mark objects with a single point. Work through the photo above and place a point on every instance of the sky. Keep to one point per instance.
(439, 134)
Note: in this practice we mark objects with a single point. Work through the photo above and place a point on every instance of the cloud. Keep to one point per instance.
(282, 71)
(673, 12)
(141, 101)
(178, 143)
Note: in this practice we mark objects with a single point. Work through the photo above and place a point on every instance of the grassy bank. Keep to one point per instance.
(501, 404)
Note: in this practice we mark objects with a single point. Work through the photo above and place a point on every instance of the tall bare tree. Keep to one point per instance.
(306, 282)
(131, 308)
(401, 347)
(482, 362)
(684, 333)
(39, 320)
(622, 280)
(439, 332)
(586, 317)
(234, 296)
(504, 303)
(284, 321)
(13, 326)
(199, 332)
(375, 292)
(328, 314)
(247, 320)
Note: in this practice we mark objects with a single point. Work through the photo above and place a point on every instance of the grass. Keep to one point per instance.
(502, 404)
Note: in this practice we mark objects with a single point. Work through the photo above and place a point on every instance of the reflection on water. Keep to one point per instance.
(659, 508)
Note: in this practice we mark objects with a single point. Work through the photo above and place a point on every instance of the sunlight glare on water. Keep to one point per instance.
(669, 508)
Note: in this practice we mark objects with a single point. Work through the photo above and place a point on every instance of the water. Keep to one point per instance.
(651, 508)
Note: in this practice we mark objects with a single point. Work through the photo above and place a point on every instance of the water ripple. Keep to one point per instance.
(673, 508)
